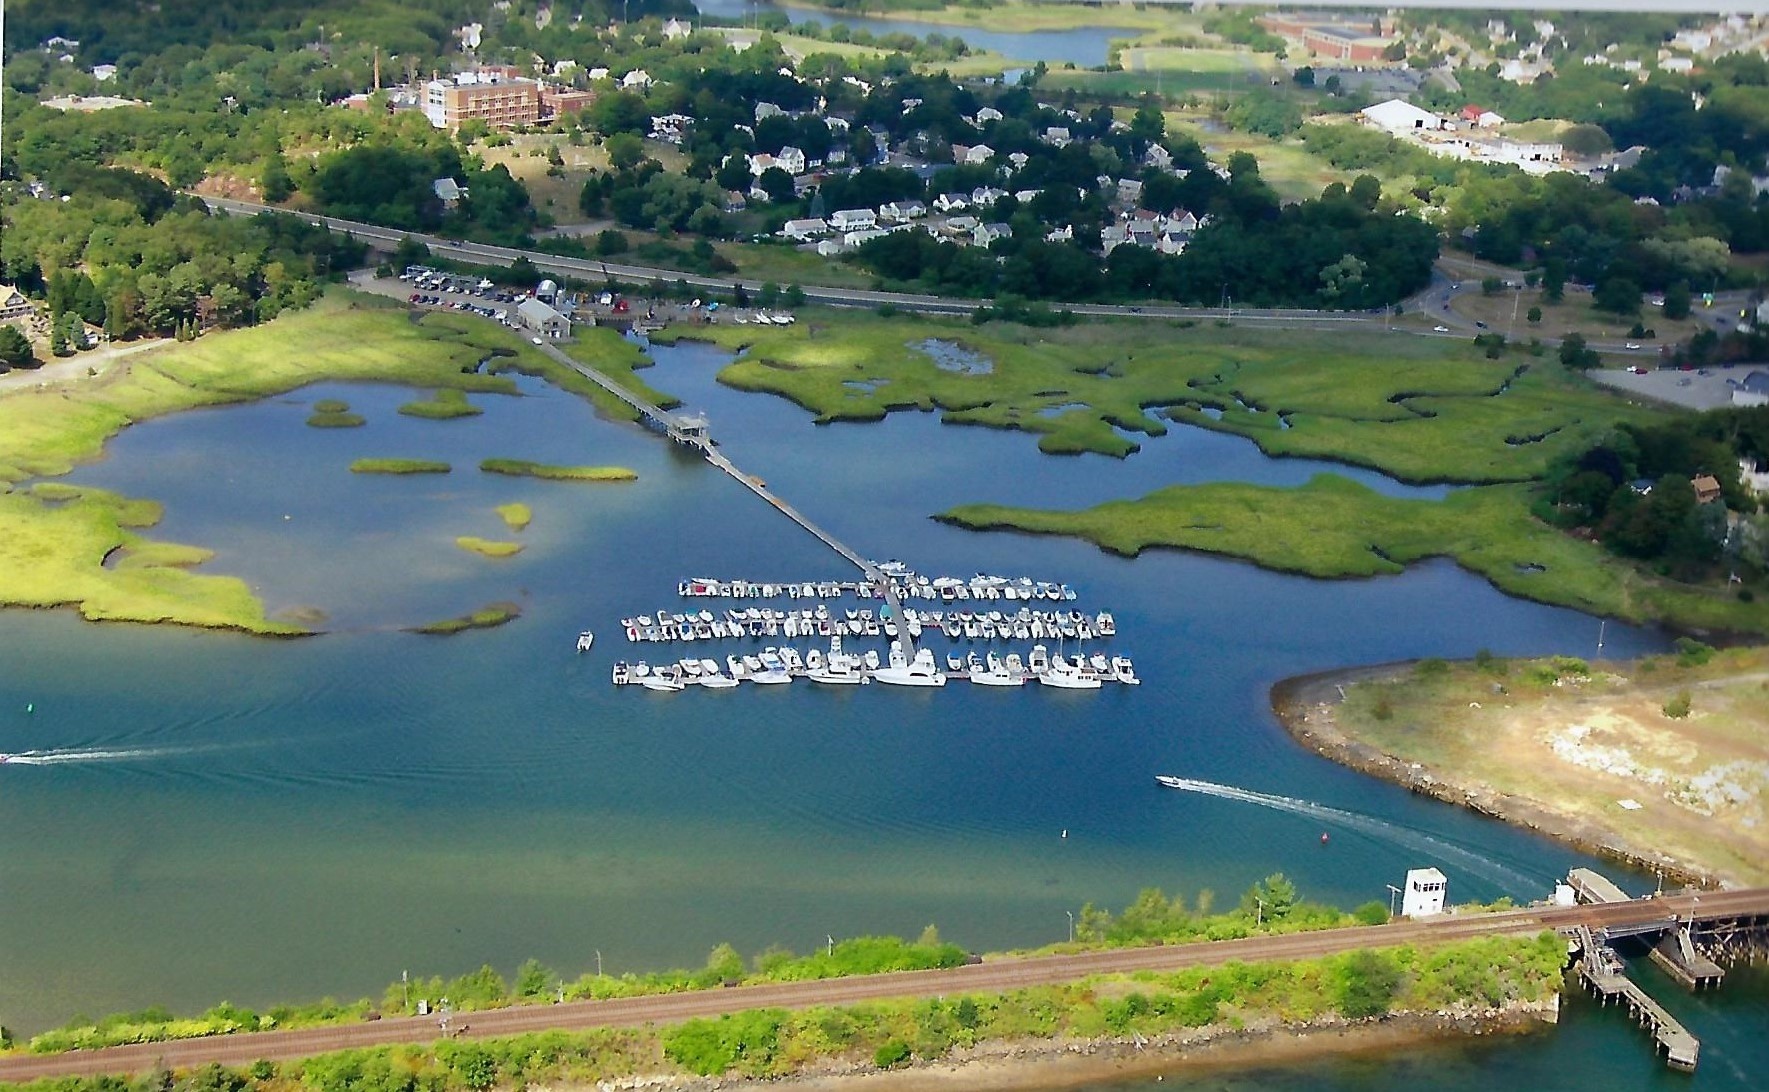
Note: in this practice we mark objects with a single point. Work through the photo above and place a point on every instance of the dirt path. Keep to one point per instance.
(995, 976)
(76, 368)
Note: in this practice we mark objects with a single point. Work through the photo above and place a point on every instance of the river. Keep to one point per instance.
(260, 820)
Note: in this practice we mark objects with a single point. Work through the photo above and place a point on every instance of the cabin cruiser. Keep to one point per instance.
(1124, 672)
(1038, 662)
(1068, 676)
(667, 684)
(995, 673)
(585, 640)
(1170, 782)
(622, 674)
(922, 670)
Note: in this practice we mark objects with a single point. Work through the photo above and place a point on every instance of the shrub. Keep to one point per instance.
(1678, 707)
(1367, 984)
(893, 1053)
(1692, 653)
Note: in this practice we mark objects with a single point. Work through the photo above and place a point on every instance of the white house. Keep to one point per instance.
(981, 153)
(1018, 160)
(951, 202)
(1129, 190)
(899, 212)
(448, 191)
(1400, 116)
(831, 248)
(855, 238)
(1424, 894)
(768, 110)
(984, 234)
(805, 229)
(636, 80)
(985, 195)
(1057, 136)
(675, 29)
(542, 319)
(852, 219)
(959, 225)
(103, 72)
(596, 74)
(791, 160)
(1677, 64)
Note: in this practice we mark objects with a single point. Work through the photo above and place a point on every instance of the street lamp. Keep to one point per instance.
(1393, 893)
(1071, 914)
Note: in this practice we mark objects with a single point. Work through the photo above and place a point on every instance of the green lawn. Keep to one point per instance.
(1334, 527)
(1419, 409)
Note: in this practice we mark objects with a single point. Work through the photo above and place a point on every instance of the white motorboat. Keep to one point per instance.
(837, 672)
(995, 675)
(1124, 672)
(622, 674)
(585, 640)
(1067, 676)
(663, 684)
(739, 670)
(716, 680)
(954, 662)
(922, 670)
(1039, 660)
(1170, 782)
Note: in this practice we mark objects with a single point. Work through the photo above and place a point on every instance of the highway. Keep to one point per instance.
(995, 976)
(596, 271)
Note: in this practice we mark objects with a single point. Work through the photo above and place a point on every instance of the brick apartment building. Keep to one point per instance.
(500, 101)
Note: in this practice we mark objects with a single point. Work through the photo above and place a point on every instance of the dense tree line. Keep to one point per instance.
(127, 254)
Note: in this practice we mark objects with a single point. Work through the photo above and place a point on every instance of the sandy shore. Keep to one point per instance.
(1305, 706)
(1067, 1063)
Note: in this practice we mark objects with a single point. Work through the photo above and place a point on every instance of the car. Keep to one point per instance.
(1638, 369)
(537, 340)
(1633, 345)
(1478, 325)
(1440, 329)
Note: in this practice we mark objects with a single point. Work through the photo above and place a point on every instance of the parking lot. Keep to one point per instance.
(1699, 389)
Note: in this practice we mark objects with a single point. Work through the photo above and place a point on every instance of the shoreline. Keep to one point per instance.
(1304, 705)
(1025, 1065)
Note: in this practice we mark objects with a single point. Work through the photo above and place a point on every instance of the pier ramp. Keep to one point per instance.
(1603, 972)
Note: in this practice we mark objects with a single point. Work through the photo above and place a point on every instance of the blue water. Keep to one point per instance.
(288, 820)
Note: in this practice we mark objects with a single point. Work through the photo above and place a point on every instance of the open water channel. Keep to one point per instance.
(262, 820)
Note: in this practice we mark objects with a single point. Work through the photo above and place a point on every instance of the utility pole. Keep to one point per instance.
(1393, 893)
(1071, 914)
(831, 949)
(598, 963)
(405, 985)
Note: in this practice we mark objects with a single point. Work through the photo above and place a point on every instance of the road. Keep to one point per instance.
(595, 270)
(995, 976)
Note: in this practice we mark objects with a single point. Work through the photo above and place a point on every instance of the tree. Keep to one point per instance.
(1304, 76)
(1554, 282)
(624, 151)
(275, 183)
(609, 242)
(58, 341)
(1367, 984)
(1534, 315)
(1574, 354)
(777, 183)
(1618, 295)
(15, 349)
(1677, 300)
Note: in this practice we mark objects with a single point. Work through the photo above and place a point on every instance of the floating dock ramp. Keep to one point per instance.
(1601, 970)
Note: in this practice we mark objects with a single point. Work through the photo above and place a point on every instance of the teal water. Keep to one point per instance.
(287, 820)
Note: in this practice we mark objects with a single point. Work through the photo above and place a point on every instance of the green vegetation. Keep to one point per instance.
(1333, 527)
(516, 516)
(443, 405)
(485, 618)
(775, 1043)
(399, 466)
(339, 419)
(487, 548)
(58, 550)
(62, 545)
(1418, 409)
(522, 468)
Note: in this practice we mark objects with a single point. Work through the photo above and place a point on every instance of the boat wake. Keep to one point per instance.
(88, 754)
(1381, 830)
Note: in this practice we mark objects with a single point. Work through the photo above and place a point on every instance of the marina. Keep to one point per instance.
(841, 665)
(762, 622)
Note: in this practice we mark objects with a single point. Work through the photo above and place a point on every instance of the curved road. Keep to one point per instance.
(993, 977)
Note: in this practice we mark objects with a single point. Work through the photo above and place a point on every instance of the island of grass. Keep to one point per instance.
(1660, 761)
(1333, 527)
(333, 413)
(486, 547)
(52, 554)
(516, 516)
(1418, 409)
(488, 617)
(522, 468)
(399, 466)
(443, 405)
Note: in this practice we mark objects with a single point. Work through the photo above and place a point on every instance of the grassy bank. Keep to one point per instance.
(1334, 527)
(776, 1043)
(332, 413)
(485, 618)
(486, 547)
(66, 546)
(399, 466)
(1418, 409)
(522, 468)
(1680, 737)
(58, 549)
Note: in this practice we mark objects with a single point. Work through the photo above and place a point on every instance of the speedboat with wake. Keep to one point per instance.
(1167, 781)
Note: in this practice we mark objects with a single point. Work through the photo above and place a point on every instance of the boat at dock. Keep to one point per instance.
(904, 670)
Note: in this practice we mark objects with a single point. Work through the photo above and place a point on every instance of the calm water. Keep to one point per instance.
(286, 820)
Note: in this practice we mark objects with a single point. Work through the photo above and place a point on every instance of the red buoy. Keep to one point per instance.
(1323, 837)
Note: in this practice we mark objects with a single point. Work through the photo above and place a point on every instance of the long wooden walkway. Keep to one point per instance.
(1600, 970)
(691, 431)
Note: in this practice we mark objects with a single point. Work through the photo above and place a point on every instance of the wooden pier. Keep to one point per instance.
(1602, 970)
(692, 431)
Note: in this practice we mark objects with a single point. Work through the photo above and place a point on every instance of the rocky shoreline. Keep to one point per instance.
(1020, 1065)
(1305, 707)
